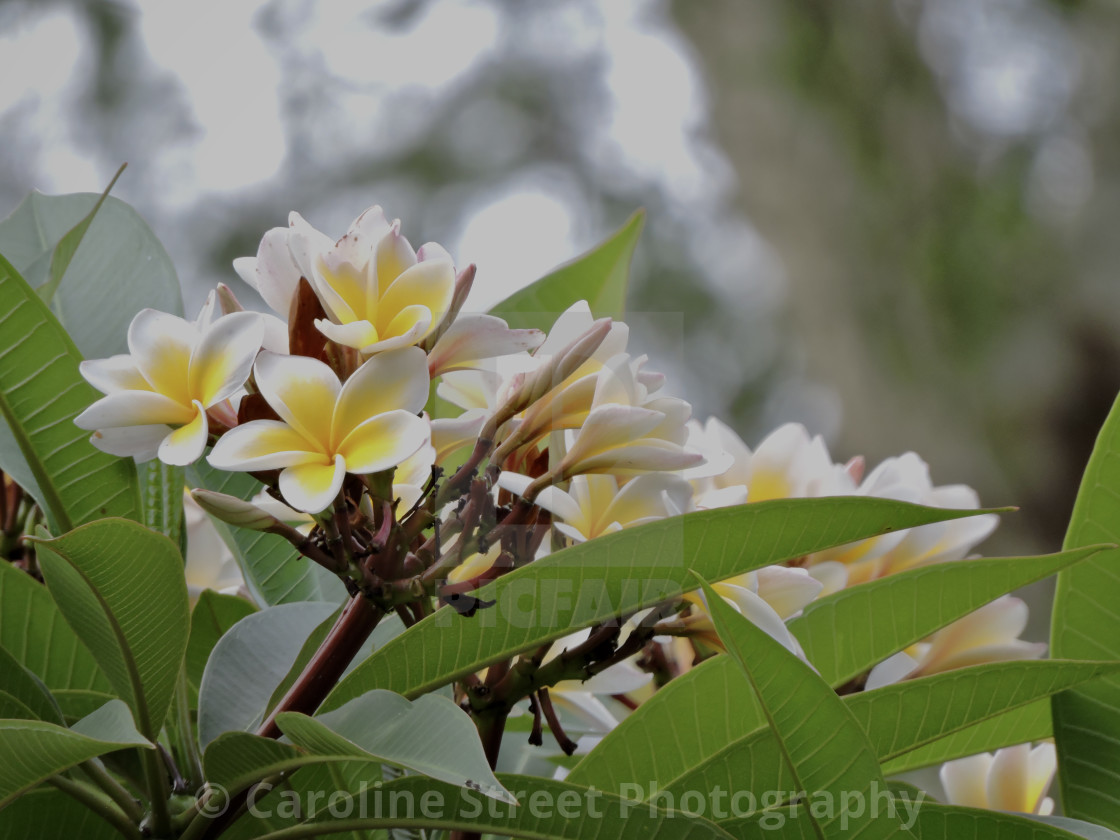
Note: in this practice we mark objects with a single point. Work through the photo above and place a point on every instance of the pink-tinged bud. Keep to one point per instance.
(228, 300)
(563, 364)
(235, 511)
(463, 283)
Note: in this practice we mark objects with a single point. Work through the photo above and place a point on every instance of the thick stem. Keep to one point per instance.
(113, 789)
(320, 675)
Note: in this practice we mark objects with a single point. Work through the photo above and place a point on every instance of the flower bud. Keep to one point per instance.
(235, 511)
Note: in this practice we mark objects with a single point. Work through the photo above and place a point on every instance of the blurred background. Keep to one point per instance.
(893, 222)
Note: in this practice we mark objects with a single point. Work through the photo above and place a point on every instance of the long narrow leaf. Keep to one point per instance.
(619, 574)
(41, 392)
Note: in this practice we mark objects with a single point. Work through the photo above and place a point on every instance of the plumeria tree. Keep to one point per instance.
(372, 563)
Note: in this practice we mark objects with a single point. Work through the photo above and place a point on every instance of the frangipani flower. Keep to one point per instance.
(990, 634)
(379, 294)
(158, 397)
(327, 429)
(788, 464)
(1014, 779)
(595, 505)
(628, 440)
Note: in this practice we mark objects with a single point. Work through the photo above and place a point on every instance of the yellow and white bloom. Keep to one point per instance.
(369, 424)
(1014, 779)
(595, 505)
(379, 294)
(989, 634)
(177, 375)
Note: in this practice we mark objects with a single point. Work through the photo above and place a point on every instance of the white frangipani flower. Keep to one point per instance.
(369, 424)
(1014, 779)
(471, 339)
(177, 376)
(595, 505)
(788, 464)
(379, 294)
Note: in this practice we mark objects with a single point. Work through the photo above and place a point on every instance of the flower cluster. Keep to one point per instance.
(431, 450)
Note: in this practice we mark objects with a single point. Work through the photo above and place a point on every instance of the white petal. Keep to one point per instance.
(397, 380)
(891, 670)
(139, 442)
(161, 346)
(261, 445)
(312, 487)
(303, 391)
(787, 590)
(222, 361)
(472, 338)
(186, 444)
(965, 780)
(356, 334)
(585, 708)
(618, 679)
(273, 272)
(383, 441)
(305, 244)
(133, 408)
(117, 373)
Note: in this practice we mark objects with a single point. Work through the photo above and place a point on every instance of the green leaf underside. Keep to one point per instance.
(615, 575)
(121, 586)
(119, 268)
(41, 392)
(36, 750)
(49, 813)
(1086, 625)
(430, 735)
(213, 615)
(818, 737)
(22, 685)
(599, 276)
(248, 662)
(851, 630)
(33, 630)
(549, 810)
(274, 571)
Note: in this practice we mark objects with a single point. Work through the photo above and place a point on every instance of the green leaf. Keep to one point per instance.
(46, 812)
(161, 489)
(628, 755)
(15, 709)
(22, 685)
(118, 269)
(247, 664)
(121, 586)
(76, 703)
(550, 810)
(1029, 723)
(33, 630)
(619, 574)
(937, 821)
(211, 618)
(898, 719)
(274, 571)
(600, 277)
(41, 392)
(931, 821)
(68, 244)
(820, 739)
(850, 631)
(1078, 827)
(45, 749)
(1086, 625)
(430, 735)
(236, 760)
